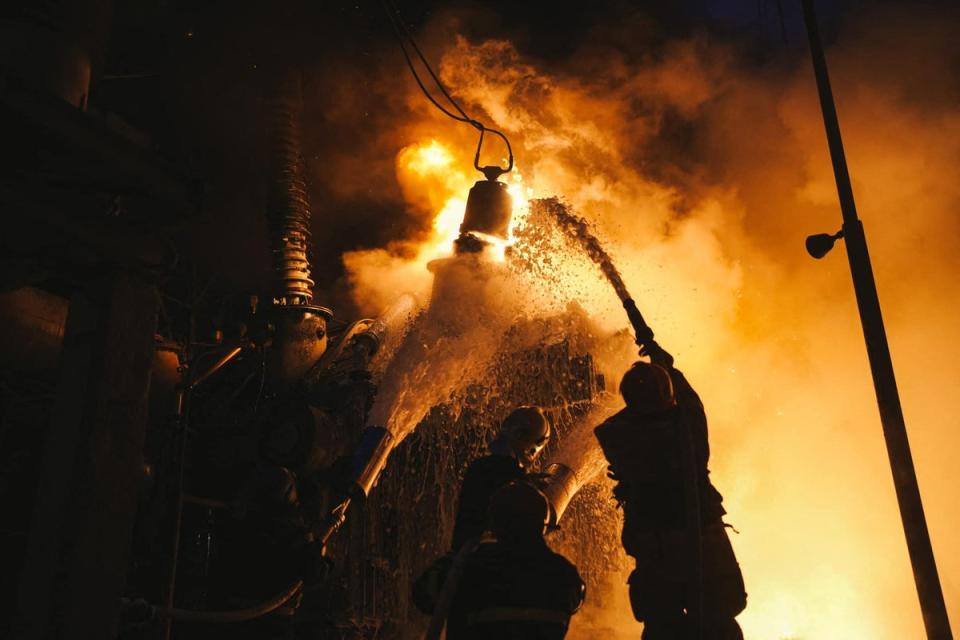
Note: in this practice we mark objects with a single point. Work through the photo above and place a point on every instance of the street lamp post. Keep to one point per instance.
(891, 414)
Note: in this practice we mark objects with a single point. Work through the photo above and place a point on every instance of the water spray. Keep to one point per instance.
(566, 476)
(488, 214)
(578, 230)
(355, 352)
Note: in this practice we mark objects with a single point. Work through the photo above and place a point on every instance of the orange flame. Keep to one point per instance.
(770, 339)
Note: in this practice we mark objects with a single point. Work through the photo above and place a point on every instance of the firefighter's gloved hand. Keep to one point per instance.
(656, 353)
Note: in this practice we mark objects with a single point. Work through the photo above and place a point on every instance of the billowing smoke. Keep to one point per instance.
(703, 174)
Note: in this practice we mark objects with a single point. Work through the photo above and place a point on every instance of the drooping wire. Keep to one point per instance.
(403, 35)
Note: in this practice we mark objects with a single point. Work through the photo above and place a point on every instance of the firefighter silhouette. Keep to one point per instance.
(523, 436)
(687, 583)
(514, 587)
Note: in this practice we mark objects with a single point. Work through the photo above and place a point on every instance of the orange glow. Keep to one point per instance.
(433, 178)
(770, 338)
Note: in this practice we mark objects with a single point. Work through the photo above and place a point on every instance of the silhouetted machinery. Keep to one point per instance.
(292, 457)
(396, 513)
(255, 448)
(274, 447)
(257, 432)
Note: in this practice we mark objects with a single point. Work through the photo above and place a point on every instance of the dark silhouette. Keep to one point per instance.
(515, 587)
(687, 583)
(523, 435)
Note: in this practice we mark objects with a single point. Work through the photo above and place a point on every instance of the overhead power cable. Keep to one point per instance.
(405, 38)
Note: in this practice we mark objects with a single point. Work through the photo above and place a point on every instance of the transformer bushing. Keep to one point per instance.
(489, 209)
(488, 213)
(288, 207)
(300, 337)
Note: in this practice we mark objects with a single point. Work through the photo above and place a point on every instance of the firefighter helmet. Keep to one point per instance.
(647, 387)
(518, 510)
(526, 432)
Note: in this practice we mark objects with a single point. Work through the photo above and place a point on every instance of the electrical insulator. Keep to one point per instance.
(489, 209)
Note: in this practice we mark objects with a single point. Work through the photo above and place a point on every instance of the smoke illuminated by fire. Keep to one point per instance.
(709, 235)
(433, 180)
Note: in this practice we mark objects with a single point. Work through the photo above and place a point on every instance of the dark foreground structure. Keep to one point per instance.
(173, 445)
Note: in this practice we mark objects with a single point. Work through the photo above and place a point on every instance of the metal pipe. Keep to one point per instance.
(402, 309)
(369, 459)
(226, 617)
(182, 416)
(224, 360)
(924, 564)
(360, 343)
(181, 420)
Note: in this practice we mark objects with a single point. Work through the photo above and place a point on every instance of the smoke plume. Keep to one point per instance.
(702, 171)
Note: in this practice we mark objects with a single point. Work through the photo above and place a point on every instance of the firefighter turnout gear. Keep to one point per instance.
(687, 584)
(515, 587)
(523, 435)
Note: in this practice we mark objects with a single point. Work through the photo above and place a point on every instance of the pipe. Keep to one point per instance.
(223, 361)
(644, 335)
(376, 443)
(354, 353)
(182, 420)
(222, 617)
(402, 309)
(358, 345)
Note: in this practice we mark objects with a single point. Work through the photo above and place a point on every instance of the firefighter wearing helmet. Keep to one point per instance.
(513, 587)
(523, 436)
(687, 584)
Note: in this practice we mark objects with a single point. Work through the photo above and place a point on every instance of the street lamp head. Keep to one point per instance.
(820, 244)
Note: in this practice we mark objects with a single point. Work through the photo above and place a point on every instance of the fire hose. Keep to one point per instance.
(370, 457)
(147, 612)
(658, 355)
(644, 335)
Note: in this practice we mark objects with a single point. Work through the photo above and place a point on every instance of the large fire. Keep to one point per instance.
(713, 252)
(432, 177)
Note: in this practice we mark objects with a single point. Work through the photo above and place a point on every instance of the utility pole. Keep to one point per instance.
(891, 413)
